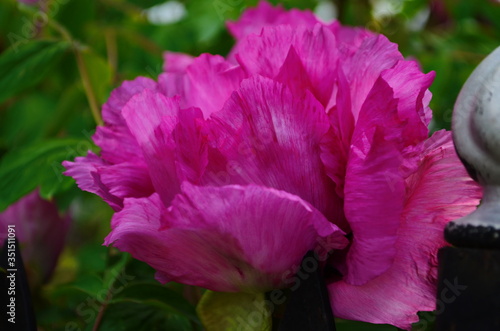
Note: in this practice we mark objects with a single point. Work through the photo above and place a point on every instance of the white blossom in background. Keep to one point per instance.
(418, 22)
(326, 11)
(166, 13)
(386, 8)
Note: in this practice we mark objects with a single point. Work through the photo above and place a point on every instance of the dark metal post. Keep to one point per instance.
(308, 308)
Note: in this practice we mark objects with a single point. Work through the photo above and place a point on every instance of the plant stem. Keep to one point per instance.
(82, 68)
(102, 309)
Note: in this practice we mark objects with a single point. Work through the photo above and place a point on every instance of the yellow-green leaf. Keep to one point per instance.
(234, 311)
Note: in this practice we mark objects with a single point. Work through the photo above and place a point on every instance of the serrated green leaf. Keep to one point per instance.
(38, 165)
(234, 311)
(26, 63)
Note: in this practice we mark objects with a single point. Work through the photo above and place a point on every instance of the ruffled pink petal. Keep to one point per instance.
(127, 179)
(373, 177)
(253, 20)
(173, 141)
(191, 142)
(363, 65)
(224, 238)
(349, 38)
(86, 172)
(335, 148)
(176, 62)
(410, 87)
(212, 80)
(438, 192)
(268, 54)
(151, 117)
(111, 110)
(206, 83)
(117, 144)
(259, 136)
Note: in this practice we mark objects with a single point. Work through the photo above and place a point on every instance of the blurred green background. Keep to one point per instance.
(57, 68)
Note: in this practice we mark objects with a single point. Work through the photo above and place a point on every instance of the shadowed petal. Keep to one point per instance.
(438, 192)
(224, 238)
(86, 171)
(151, 117)
(172, 140)
(373, 177)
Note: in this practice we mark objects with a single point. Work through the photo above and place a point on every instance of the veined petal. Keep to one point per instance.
(151, 117)
(253, 20)
(373, 177)
(410, 87)
(206, 83)
(259, 136)
(127, 179)
(438, 192)
(229, 238)
(86, 172)
(362, 67)
(116, 142)
(111, 110)
(315, 50)
(176, 62)
(173, 141)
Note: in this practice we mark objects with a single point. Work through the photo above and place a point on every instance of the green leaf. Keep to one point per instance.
(156, 295)
(26, 63)
(99, 74)
(234, 311)
(345, 325)
(130, 316)
(38, 165)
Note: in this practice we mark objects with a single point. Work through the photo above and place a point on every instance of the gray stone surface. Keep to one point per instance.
(476, 133)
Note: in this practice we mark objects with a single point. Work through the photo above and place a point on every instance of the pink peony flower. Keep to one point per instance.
(41, 232)
(225, 172)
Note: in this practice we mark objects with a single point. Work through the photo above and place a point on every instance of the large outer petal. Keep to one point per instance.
(267, 136)
(226, 238)
(438, 192)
